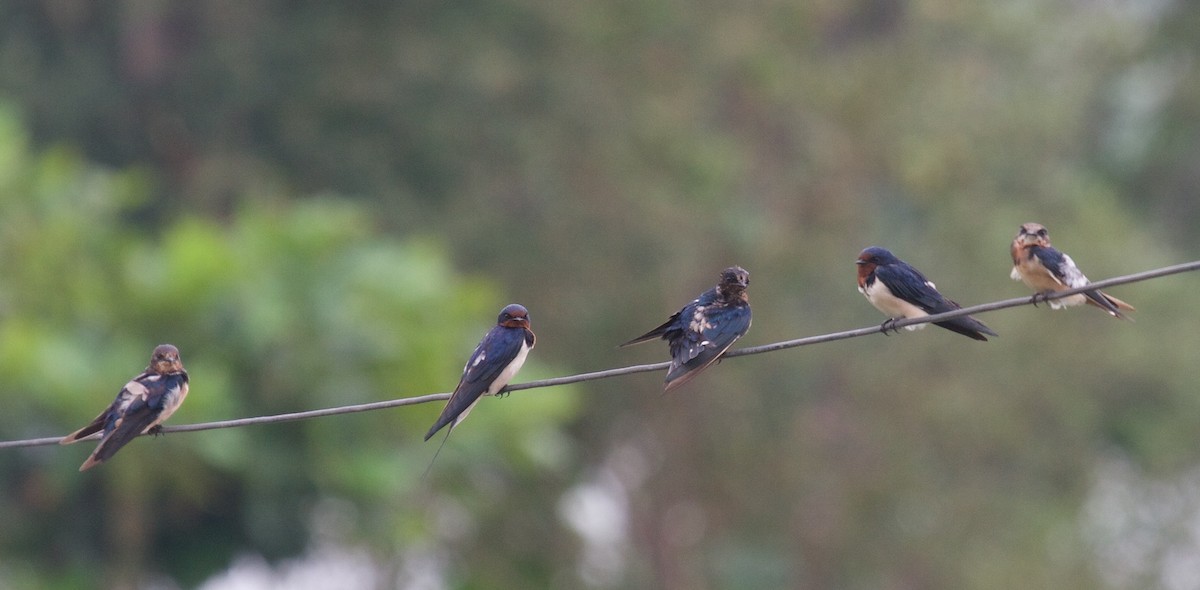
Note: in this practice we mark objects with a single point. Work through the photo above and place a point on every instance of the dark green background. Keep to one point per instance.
(328, 203)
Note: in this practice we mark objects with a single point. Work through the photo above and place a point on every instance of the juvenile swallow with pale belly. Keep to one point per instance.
(705, 328)
(901, 291)
(141, 407)
(493, 364)
(1047, 270)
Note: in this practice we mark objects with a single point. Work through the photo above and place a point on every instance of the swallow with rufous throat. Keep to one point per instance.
(493, 364)
(901, 291)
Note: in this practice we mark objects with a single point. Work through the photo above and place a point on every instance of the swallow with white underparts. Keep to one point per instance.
(1047, 270)
(901, 291)
(493, 364)
(141, 407)
(705, 328)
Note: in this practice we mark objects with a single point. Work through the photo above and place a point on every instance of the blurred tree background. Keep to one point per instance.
(326, 203)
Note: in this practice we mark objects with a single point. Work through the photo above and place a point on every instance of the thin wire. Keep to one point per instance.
(630, 370)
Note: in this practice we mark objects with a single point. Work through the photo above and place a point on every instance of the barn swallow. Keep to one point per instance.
(141, 407)
(901, 291)
(1047, 270)
(705, 328)
(495, 361)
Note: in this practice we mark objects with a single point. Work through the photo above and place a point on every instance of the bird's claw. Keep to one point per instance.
(889, 325)
(156, 430)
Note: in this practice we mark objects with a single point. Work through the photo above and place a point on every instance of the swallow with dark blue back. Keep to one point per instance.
(493, 364)
(1047, 270)
(901, 291)
(141, 407)
(705, 328)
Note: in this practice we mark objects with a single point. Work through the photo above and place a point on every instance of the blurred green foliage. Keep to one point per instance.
(280, 308)
(325, 204)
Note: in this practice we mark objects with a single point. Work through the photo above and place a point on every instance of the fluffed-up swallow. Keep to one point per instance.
(493, 364)
(141, 407)
(1047, 270)
(705, 328)
(901, 291)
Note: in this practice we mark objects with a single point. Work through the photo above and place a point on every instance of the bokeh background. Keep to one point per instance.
(328, 203)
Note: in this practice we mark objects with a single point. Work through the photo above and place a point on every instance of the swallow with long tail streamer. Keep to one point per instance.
(705, 328)
(901, 291)
(1047, 270)
(493, 364)
(140, 408)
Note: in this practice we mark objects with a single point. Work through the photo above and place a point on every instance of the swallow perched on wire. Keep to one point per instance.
(140, 408)
(493, 364)
(901, 291)
(705, 328)
(1047, 270)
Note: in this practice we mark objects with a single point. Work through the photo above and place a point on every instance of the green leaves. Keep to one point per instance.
(281, 307)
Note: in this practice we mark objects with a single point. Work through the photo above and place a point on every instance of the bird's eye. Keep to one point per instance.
(1042, 232)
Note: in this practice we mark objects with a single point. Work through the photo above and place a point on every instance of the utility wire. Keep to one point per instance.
(605, 374)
